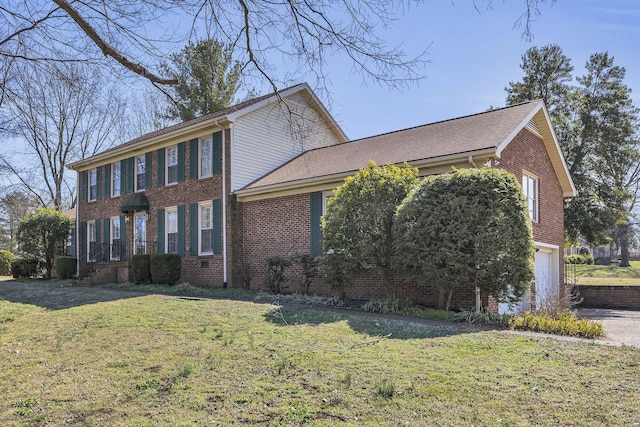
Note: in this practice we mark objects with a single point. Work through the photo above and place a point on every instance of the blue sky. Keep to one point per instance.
(474, 54)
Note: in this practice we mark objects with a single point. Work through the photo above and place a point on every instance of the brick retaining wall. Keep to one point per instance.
(603, 296)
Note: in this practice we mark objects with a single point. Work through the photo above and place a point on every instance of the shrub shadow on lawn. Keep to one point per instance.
(373, 324)
(58, 295)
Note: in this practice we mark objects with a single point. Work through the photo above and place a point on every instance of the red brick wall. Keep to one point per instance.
(527, 153)
(198, 270)
(627, 297)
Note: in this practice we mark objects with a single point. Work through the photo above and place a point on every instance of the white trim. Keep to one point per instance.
(548, 246)
(209, 204)
(166, 165)
(167, 211)
(111, 180)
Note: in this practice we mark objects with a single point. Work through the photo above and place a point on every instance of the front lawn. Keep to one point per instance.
(126, 359)
(608, 274)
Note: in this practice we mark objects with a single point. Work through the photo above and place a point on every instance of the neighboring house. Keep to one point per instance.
(278, 163)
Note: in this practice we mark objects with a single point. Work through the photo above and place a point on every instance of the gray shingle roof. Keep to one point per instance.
(456, 136)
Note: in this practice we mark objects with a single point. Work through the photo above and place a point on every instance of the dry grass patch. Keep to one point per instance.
(161, 360)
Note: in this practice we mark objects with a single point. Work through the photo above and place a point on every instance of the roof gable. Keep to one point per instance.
(220, 118)
(445, 142)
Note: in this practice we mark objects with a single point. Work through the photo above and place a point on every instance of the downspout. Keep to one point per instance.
(470, 160)
(77, 226)
(224, 208)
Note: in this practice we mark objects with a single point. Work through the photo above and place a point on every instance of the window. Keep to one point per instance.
(115, 179)
(68, 251)
(172, 165)
(93, 184)
(140, 233)
(172, 230)
(206, 157)
(140, 172)
(116, 247)
(325, 198)
(91, 241)
(530, 188)
(205, 229)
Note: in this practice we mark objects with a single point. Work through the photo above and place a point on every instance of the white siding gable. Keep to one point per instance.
(270, 136)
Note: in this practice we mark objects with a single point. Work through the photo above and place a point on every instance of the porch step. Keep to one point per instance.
(103, 274)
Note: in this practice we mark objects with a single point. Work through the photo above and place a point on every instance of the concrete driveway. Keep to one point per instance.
(621, 326)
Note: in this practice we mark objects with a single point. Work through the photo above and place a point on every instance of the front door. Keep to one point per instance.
(140, 233)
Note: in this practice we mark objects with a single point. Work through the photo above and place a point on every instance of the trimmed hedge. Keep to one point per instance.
(6, 258)
(579, 259)
(66, 267)
(141, 268)
(165, 268)
(22, 268)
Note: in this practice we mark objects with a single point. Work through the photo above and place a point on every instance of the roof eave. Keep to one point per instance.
(268, 191)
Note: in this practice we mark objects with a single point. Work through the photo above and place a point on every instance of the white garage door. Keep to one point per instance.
(544, 285)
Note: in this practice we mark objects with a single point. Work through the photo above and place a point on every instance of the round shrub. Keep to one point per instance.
(6, 258)
(574, 259)
(66, 267)
(469, 228)
(25, 268)
(141, 268)
(165, 268)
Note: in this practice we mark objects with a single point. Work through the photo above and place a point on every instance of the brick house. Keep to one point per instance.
(278, 163)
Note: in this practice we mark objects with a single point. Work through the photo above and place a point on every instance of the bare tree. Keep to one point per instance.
(14, 206)
(300, 33)
(63, 112)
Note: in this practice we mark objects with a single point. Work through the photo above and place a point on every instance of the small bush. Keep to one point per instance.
(66, 267)
(6, 258)
(579, 259)
(165, 268)
(310, 267)
(390, 305)
(277, 265)
(564, 323)
(141, 268)
(386, 388)
(23, 268)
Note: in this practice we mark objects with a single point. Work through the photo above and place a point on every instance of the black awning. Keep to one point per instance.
(135, 202)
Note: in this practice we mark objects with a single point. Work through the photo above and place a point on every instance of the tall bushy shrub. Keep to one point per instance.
(25, 268)
(467, 228)
(66, 267)
(276, 265)
(165, 268)
(358, 226)
(141, 268)
(6, 258)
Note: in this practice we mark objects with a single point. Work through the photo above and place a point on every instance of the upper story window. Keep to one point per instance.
(172, 165)
(206, 157)
(115, 179)
(140, 172)
(530, 189)
(93, 184)
(172, 230)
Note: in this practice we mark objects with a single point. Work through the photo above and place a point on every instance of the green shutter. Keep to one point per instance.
(98, 182)
(107, 234)
(160, 167)
(193, 158)
(129, 173)
(161, 231)
(193, 229)
(181, 230)
(107, 180)
(216, 208)
(123, 229)
(82, 231)
(181, 162)
(316, 232)
(217, 152)
(83, 186)
(98, 241)
(147, 169)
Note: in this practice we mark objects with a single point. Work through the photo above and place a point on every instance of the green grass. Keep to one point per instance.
(163, 360)
(608, 274)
